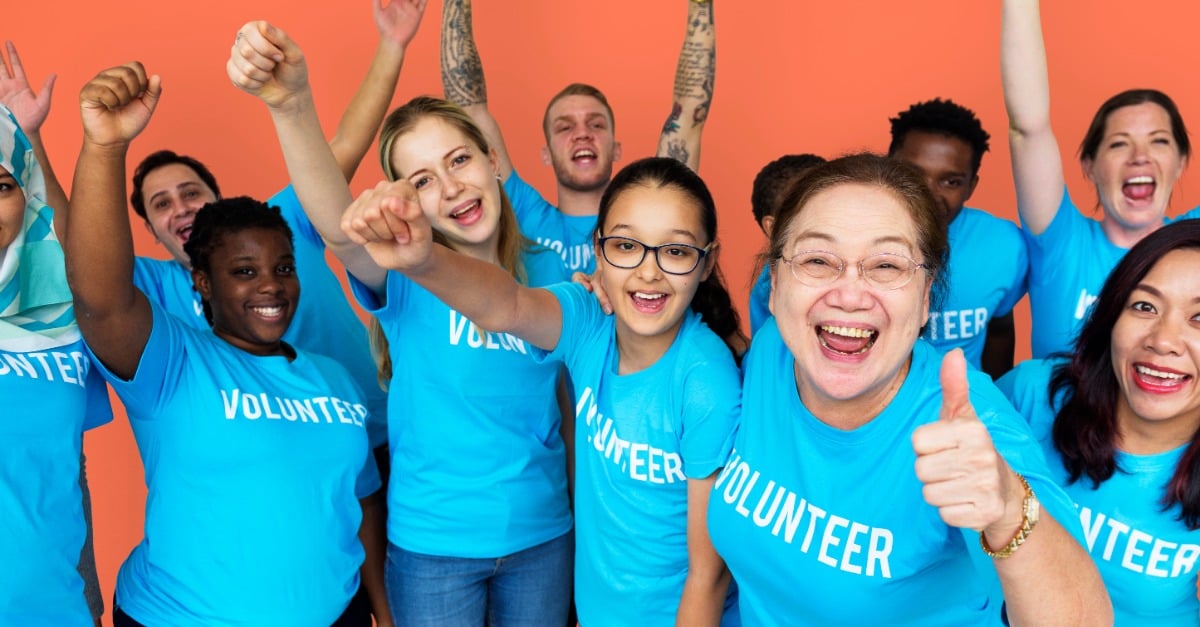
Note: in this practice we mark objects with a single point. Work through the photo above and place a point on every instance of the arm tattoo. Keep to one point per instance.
(462, 70)
(677, 150)
(696, 70)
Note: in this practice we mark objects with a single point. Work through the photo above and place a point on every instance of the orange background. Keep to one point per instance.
(791, 77)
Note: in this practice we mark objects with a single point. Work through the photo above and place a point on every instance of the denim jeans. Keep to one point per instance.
(531, 587)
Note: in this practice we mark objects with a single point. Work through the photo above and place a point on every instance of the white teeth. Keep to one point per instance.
(584, 153)
(645, 296)
(1158, 373)
(847, 331)
(1140, 180)
(464, 209)
(269, 312)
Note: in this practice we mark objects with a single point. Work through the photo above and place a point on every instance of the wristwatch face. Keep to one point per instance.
(1032, 509)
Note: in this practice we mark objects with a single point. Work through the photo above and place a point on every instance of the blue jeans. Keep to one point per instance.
(531, 587)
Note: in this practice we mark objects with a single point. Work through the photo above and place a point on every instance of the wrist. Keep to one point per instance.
(1002, 539)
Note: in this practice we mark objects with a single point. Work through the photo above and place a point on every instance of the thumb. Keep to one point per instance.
(286, 48)
(43, 97)
(153, 92)
(956, 393)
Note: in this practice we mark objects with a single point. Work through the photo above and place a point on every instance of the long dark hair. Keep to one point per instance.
(712, 300)
(1085, 428)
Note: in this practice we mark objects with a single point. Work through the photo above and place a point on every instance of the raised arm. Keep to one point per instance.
(387, 221)
(31, 110)
(266, 63)
(462, 77)
(1036, 161)
(694, 76)
(113, 315)
(397, 24)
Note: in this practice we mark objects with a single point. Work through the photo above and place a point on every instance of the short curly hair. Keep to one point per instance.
(229, 215)
(943, 117)
(773, 181)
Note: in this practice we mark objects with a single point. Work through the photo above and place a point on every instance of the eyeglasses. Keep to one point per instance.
(628, 253)
(817, 268)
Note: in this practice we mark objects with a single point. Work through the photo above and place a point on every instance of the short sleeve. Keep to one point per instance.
(99, 407)
(1019, 279)
(712, 403)
(161, 362)
(581, 316)
(293, 213)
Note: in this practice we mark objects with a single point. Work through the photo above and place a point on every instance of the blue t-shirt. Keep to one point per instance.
(638, 438)
(1068, 264)
(50, 397)
(478, 463)
(324, 322)
(821, 526)
(570, 237)
(988, 267)
(1146, 556)
(760, 297)
(254, 467)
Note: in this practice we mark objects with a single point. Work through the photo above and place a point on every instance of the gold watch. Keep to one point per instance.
(1030, 512)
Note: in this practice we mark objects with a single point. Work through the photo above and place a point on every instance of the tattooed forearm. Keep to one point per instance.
(696, 70)
(676, 149)
(462, 71)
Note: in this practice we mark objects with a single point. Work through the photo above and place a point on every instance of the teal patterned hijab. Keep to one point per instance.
(35, 304)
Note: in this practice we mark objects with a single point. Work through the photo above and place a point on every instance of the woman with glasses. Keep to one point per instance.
(867, 462)
(479, 521)
(656, 389)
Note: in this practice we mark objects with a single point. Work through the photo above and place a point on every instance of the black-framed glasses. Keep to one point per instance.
(628, 253)
(886, 271)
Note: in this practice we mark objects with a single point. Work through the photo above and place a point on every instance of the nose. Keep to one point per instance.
(451, 186)
(1141, 152)
(649, 269)
(1165, 337)
(850, 291)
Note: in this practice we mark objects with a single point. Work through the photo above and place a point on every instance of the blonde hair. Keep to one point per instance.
(510, 243)
(379, 352)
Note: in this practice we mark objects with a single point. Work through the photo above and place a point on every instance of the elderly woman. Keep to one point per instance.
(863, 487)
(1118, 421)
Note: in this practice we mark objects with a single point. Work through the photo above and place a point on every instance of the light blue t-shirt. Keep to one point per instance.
(478, 463)
(254, 467)
(49, 397)
(324, 322)
(570, 237)
(760, 298)
(821, 526)
(638, 438)
(988, 266)
(1068, 264)
(1146, 556)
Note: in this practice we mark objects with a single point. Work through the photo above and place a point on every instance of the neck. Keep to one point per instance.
(635, 354)
(1143, 437)
(850, 414)
(1123, 236)
(573, 202)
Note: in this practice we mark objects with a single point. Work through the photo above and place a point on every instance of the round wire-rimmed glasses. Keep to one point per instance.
(629, 253)
(885, 271)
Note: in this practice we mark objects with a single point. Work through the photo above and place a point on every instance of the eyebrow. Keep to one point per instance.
(887, 239)
(681, 232)
(1154, 291)
(444, 157)
(183, 185)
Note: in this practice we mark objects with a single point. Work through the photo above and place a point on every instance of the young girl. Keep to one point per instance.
(656, 391)
(479, 524)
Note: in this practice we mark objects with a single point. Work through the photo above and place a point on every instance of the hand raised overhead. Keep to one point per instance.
(117, 104)
(265, 62)
(398, 21)
(387, 221)
(29, 108)
(965, 478)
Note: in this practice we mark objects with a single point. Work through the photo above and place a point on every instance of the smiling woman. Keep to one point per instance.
(228, 419)
(1119, 421)
(840, 403)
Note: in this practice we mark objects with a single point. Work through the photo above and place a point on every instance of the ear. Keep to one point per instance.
(202, 284)
(494, 159)
(971, 188)
(1183, 161)
(771, 294)
(767, 225)
(546, 155)
(1087, 169)
(616, 151)
(710, 260)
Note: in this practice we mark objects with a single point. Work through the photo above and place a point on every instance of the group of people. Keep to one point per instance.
(595, 438)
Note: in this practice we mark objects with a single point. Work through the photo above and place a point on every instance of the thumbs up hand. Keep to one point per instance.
(965, 478)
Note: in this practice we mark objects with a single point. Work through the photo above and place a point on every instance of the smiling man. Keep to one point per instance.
(988, 260)
(579, 127)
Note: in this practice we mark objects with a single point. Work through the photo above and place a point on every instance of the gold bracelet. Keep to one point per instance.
(1029, 518)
